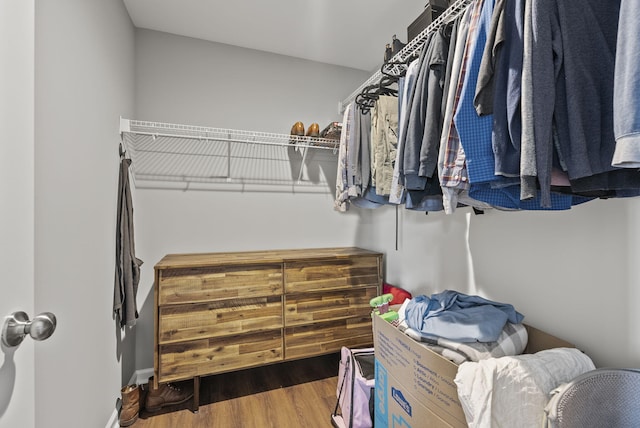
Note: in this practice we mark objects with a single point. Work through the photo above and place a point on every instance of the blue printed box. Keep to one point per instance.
(397, 408)
(414, 386)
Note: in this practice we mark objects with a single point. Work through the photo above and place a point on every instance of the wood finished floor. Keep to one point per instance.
(293, 394)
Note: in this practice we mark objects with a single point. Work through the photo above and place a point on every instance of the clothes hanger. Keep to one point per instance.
(385, 86)
(371, 93)
(404, 64)
(367, 98)
(365, 102)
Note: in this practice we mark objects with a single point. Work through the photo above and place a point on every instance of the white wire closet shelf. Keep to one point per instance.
(166, 155)
(411, 49)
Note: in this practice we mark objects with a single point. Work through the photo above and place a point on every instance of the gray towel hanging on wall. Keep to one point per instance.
(127, 275)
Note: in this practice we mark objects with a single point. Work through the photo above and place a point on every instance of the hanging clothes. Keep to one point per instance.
(424, 119)
(626, 97)
(368, 197)
(507, 123)
(415, 122)
(483, 100)
(127, 275)
(405, 88)
(572, 94)
(475, 134)
(513, 111)
(422, 127)
(528, 163)
(406, 101)
(342, 184)
(384, 142)
(353, 180)
(452, 167)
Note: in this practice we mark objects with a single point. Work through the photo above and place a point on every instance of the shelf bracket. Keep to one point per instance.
(304, 158)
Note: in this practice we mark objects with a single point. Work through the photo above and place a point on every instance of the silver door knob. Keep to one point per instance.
(17, 326)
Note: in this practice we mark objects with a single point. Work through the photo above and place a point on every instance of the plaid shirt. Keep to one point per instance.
(452, 168)
(453, 171)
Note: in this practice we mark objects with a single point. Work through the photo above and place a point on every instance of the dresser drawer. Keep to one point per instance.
(220, 312)
(328, 305)
(335, 274)
(192, 285)
(224, 317)
(327, 337)
(209, 356)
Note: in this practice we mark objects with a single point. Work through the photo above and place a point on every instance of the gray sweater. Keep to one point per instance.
(572, 88)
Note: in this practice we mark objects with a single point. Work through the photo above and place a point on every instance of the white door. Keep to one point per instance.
(17, 205)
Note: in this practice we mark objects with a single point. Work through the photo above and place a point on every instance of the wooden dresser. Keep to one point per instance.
(219, 312)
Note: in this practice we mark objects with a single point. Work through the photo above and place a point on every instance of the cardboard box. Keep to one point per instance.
(432, 10)
(415, 386)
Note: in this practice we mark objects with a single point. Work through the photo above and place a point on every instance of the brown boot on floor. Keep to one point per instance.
(167, 394)
(130, 405)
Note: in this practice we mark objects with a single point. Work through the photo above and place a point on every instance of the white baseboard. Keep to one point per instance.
(113, 420)
(138, 377)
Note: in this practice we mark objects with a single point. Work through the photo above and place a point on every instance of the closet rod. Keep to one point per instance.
(412, 48)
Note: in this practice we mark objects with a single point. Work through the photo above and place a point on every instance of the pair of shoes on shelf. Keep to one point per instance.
(332, 131)
(298, 130)
(166, 394)
(393, 48)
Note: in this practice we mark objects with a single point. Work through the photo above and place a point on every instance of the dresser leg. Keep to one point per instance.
(196, 394)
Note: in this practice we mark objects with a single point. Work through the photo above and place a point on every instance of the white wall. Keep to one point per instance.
(572, 273)
(194, 82)
(84, 82)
